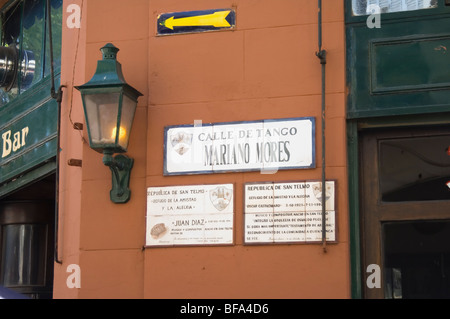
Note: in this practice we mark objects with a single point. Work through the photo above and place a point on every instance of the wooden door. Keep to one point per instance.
(405, 211)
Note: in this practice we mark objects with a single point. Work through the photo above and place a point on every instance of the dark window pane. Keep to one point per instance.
(415, 168)
(11, 24)
(23, 255)
(416, 259)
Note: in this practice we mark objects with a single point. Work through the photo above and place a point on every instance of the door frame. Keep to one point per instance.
(355, 129)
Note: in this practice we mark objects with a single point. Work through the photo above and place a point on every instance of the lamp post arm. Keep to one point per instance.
(120, 166)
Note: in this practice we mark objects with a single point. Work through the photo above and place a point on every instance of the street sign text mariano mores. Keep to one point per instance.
(266, 145)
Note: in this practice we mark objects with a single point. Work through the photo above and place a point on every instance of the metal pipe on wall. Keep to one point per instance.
(322, 55)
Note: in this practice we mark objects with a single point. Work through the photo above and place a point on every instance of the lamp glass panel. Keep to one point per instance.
(128, 110)
(101, 115)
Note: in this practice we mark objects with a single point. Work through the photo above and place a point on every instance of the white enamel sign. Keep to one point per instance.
(288, 212)
(267, 145)
(190, 215)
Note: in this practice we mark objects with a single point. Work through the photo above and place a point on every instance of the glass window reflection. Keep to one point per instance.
(25, 31)
(364, 7)
(33, 34)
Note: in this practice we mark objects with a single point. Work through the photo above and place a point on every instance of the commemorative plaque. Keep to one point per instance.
(288, 212)
(190, 215)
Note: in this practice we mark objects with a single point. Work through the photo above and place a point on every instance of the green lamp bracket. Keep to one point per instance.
(120, 166)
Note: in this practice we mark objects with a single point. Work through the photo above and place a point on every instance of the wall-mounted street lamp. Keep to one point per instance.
(109, 106)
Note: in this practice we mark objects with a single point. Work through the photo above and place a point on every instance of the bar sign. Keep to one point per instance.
(196, 21)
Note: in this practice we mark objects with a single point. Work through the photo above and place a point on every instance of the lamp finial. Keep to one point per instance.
(109, 52)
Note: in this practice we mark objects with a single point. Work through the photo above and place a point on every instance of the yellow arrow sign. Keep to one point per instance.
(216, 19)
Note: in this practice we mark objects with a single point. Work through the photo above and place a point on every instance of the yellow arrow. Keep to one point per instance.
(217, 19)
